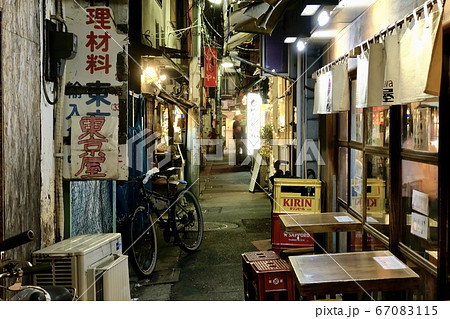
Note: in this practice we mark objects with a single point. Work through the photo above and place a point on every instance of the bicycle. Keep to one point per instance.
(16, 269)
(183, 221)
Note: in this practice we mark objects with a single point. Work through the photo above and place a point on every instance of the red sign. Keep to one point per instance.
(210, 63)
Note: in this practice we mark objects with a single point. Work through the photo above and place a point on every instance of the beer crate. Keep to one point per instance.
(282, 240)
(295, 195)
(247, 260)
(375, 197)
(272, 280)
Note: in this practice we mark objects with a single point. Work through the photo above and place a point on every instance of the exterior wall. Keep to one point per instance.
(20, 67)
(152, 13)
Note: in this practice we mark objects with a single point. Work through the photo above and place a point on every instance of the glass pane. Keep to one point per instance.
(356, 172)
(378, 126)
(421, 126)
(343, 174)
(377, 203)
(343, 126)
(420, 206)
(357, 117)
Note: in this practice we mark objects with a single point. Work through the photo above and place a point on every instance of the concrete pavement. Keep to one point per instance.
(234, 218)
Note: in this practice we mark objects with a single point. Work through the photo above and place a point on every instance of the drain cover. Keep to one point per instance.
(211, 226)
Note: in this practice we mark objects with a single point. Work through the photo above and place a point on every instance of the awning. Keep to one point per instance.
(180, 102)
(238, 39)
(260, 17)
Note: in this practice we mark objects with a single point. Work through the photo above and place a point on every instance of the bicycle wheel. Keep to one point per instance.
(187, 220)
(143, 249)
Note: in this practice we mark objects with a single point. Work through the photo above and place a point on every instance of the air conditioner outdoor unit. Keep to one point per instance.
(73, 259)
(109, 279)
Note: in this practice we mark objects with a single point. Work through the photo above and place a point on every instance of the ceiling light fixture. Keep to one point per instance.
(227, 65)
(301, 45)
(310, 9)
(323, 18)
(290, 39)
(215, 1)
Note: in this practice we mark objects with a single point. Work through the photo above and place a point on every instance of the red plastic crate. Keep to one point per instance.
(247, 259)
(281, 240)
(272, 279)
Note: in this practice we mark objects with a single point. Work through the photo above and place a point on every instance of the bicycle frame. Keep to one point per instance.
(150, 196)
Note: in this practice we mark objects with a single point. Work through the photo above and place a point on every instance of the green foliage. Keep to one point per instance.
(267, 133)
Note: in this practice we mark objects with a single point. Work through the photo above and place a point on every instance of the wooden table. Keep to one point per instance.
(318, 224)
(351, 273)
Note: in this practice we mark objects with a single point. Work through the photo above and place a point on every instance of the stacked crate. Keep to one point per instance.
(266, 277)
(294, 196)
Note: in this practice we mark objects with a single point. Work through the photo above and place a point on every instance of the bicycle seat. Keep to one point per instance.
(168, 172)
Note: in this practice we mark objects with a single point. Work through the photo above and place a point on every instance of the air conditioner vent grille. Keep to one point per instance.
(62, 275)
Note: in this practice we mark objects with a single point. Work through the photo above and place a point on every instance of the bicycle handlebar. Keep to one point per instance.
(17, 240)
(44, 268)
(149, 174)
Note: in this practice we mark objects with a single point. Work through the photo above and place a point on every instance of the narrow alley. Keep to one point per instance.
(234, 218)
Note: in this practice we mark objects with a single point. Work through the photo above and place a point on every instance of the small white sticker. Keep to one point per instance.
(420, 202)
(389, 262)
(344, 219)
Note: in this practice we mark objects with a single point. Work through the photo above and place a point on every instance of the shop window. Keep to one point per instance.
(343, 174)
(356, 177)
(357, 117)
(420, 127)
(378, 126)
(420, 208)
(377, 193)
(343, 126)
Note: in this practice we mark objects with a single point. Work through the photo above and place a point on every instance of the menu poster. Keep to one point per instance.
(389, 262)
(344, 219)
(420, 202)
(419, 225)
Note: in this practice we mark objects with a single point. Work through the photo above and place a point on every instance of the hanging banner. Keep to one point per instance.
(391, 74)
(370, 76)
(323, 94)
(91, 118)
(341, 87)
(210, 63)
(421, 58)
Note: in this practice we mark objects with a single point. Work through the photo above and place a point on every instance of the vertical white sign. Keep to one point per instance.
(94, 66)
(254, 102)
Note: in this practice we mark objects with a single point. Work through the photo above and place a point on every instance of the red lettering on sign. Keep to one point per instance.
(100, 17)
(102, 44)
(371, 202)
(92, 140)
(308, 202)
(97, 63)
(286, 202)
